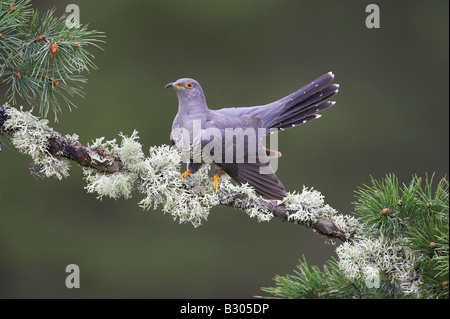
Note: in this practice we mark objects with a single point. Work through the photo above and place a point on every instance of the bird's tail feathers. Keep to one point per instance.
(302, 105)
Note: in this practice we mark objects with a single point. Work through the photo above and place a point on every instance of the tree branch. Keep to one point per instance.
(84, 156)
(26, 132)
(322, 226)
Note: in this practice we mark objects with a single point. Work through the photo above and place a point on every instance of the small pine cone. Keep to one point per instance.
(385, 211)
(53, 49)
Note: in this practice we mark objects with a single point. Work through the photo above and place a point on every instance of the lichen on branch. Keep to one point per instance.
(30, 135)
(115, 169)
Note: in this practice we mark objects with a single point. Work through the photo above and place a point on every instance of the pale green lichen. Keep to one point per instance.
(157, 176)
(73, 137)
(348, 225)
(110, 185)
(306, 206)
(131, 154)
(367, 257)
(120, 183)
(246, 197)
(30, 135)
(187, 200)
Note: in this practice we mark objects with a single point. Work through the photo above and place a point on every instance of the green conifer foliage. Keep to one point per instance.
(402, 251)
(41, 58)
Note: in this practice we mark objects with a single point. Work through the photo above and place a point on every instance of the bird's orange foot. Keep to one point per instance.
(185, 174)
(216, 182)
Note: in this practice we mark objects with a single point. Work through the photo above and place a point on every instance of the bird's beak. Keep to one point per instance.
(172, 84)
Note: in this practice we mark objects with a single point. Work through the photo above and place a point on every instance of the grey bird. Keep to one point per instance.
(253, 167)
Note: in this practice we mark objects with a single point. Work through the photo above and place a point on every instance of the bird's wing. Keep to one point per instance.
(260, 176)
(292, 110)
(248, 162)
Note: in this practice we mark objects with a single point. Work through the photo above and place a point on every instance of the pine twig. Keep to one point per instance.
(5, 80)
(42, 60)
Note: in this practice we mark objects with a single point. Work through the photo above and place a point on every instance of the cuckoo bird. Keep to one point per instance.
(248, 163)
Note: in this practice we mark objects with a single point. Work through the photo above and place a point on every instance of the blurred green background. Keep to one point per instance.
(391, 116)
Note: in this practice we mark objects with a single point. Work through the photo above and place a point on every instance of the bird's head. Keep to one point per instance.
(187, 89)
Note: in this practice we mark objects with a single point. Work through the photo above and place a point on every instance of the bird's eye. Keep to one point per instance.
(189, 85)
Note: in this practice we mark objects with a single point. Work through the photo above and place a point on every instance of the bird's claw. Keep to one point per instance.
(185, 174)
